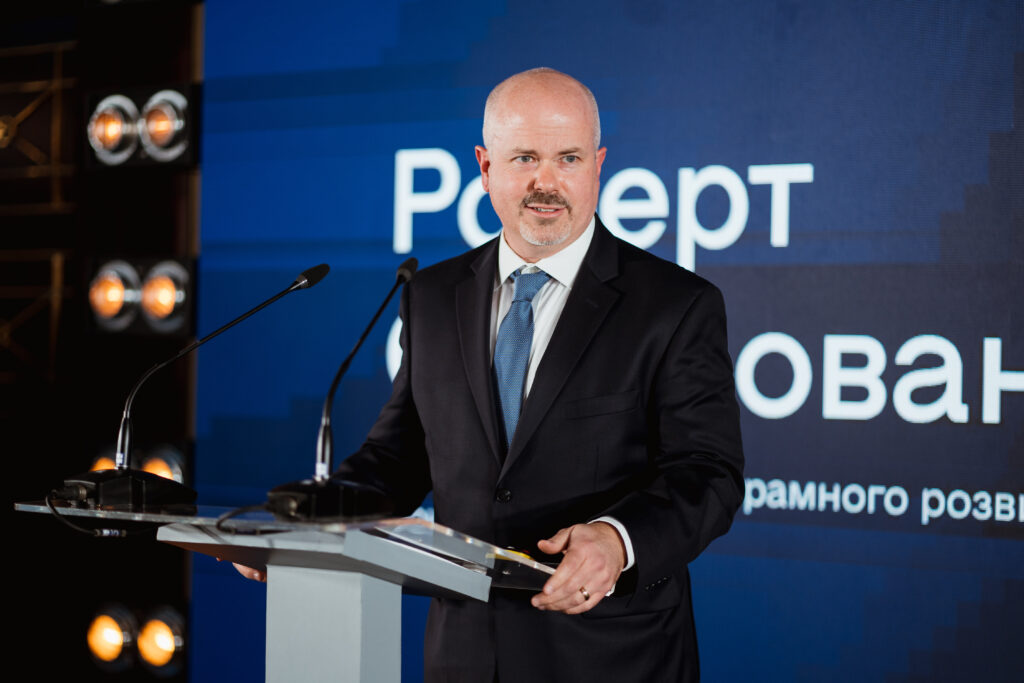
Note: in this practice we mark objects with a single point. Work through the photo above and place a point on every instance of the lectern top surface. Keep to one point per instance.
(422, 534)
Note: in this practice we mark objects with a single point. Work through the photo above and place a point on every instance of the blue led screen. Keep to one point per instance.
(851, 174)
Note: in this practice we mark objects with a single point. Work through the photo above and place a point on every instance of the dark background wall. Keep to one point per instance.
(63, 380)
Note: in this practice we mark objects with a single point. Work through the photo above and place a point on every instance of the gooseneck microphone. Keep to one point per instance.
(322, 496)
(305, 280)
(325, 439)
(123, 486)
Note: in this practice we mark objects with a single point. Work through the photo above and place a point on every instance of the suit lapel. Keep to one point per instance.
(588, 304)
(473, 314)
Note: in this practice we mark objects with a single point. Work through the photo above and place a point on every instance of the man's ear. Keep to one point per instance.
(485, 166)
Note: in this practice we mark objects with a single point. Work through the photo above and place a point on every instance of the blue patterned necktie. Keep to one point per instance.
(512, 348)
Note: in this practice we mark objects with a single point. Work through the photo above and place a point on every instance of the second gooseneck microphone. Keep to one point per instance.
(321, 496)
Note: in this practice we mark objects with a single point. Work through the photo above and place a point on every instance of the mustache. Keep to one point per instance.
(549, 198)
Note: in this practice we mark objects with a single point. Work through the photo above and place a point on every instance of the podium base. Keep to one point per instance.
(354, 635)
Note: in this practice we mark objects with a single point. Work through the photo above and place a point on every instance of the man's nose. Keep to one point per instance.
(545, 179)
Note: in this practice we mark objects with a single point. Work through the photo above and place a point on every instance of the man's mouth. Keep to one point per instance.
(549, 205)
(545, 212)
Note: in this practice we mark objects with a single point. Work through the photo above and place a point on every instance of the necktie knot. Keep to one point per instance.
(528, 284)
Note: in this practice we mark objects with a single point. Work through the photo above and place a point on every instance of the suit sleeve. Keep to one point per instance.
(393, 458)
(696, 484)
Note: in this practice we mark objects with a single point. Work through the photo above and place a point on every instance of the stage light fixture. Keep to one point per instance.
(110, 637)
(162, 126)
(114, 295)
(143, 296)
(164, 294)
(112, 129)
(162, 642)
(144, 126)
(165, 461)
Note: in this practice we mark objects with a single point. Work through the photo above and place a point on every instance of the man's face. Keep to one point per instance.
(541, 168)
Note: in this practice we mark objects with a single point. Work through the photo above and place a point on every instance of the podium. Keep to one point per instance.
(334, 589)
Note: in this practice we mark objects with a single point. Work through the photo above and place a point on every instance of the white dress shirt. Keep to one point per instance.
(563, 266)
(548, 302)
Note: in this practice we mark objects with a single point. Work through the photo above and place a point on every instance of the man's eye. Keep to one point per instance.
(570, 158)
(524, 159)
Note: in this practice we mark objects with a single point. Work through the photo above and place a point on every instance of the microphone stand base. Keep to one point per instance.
(310, 500)
(125, 489)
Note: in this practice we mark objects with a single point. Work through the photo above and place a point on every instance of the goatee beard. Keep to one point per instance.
(531, 235)
(527, 233)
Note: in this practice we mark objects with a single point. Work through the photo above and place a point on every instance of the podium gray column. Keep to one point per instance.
(350, 630)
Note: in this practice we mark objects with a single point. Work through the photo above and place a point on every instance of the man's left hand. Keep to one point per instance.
(593, 559)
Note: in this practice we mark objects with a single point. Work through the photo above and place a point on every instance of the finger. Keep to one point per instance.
(557, 543)
(250, 573)
(586, 605)
(565, 574)
(573, 600)
(560, 597)
(571, 561)
(584, 602)
(562, 590)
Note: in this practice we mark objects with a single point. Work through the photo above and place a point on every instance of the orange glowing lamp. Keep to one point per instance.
(108, 129)
(160, 295)
(157, 643)
(104, 462)
(160, 126)
(107, 295)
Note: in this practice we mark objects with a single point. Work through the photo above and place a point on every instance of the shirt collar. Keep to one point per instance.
(563, 265)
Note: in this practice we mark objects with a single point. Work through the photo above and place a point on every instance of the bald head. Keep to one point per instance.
(518, 89)
(542, 164)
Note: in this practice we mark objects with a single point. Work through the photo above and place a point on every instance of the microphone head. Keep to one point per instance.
(311, 276)
(407, 269)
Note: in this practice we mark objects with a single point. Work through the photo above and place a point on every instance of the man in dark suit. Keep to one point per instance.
(628, 416)
(563, 392)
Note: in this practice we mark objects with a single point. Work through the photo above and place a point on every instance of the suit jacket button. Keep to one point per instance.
(503, 495)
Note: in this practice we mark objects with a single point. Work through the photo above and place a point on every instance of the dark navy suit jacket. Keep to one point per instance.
(632, 414)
